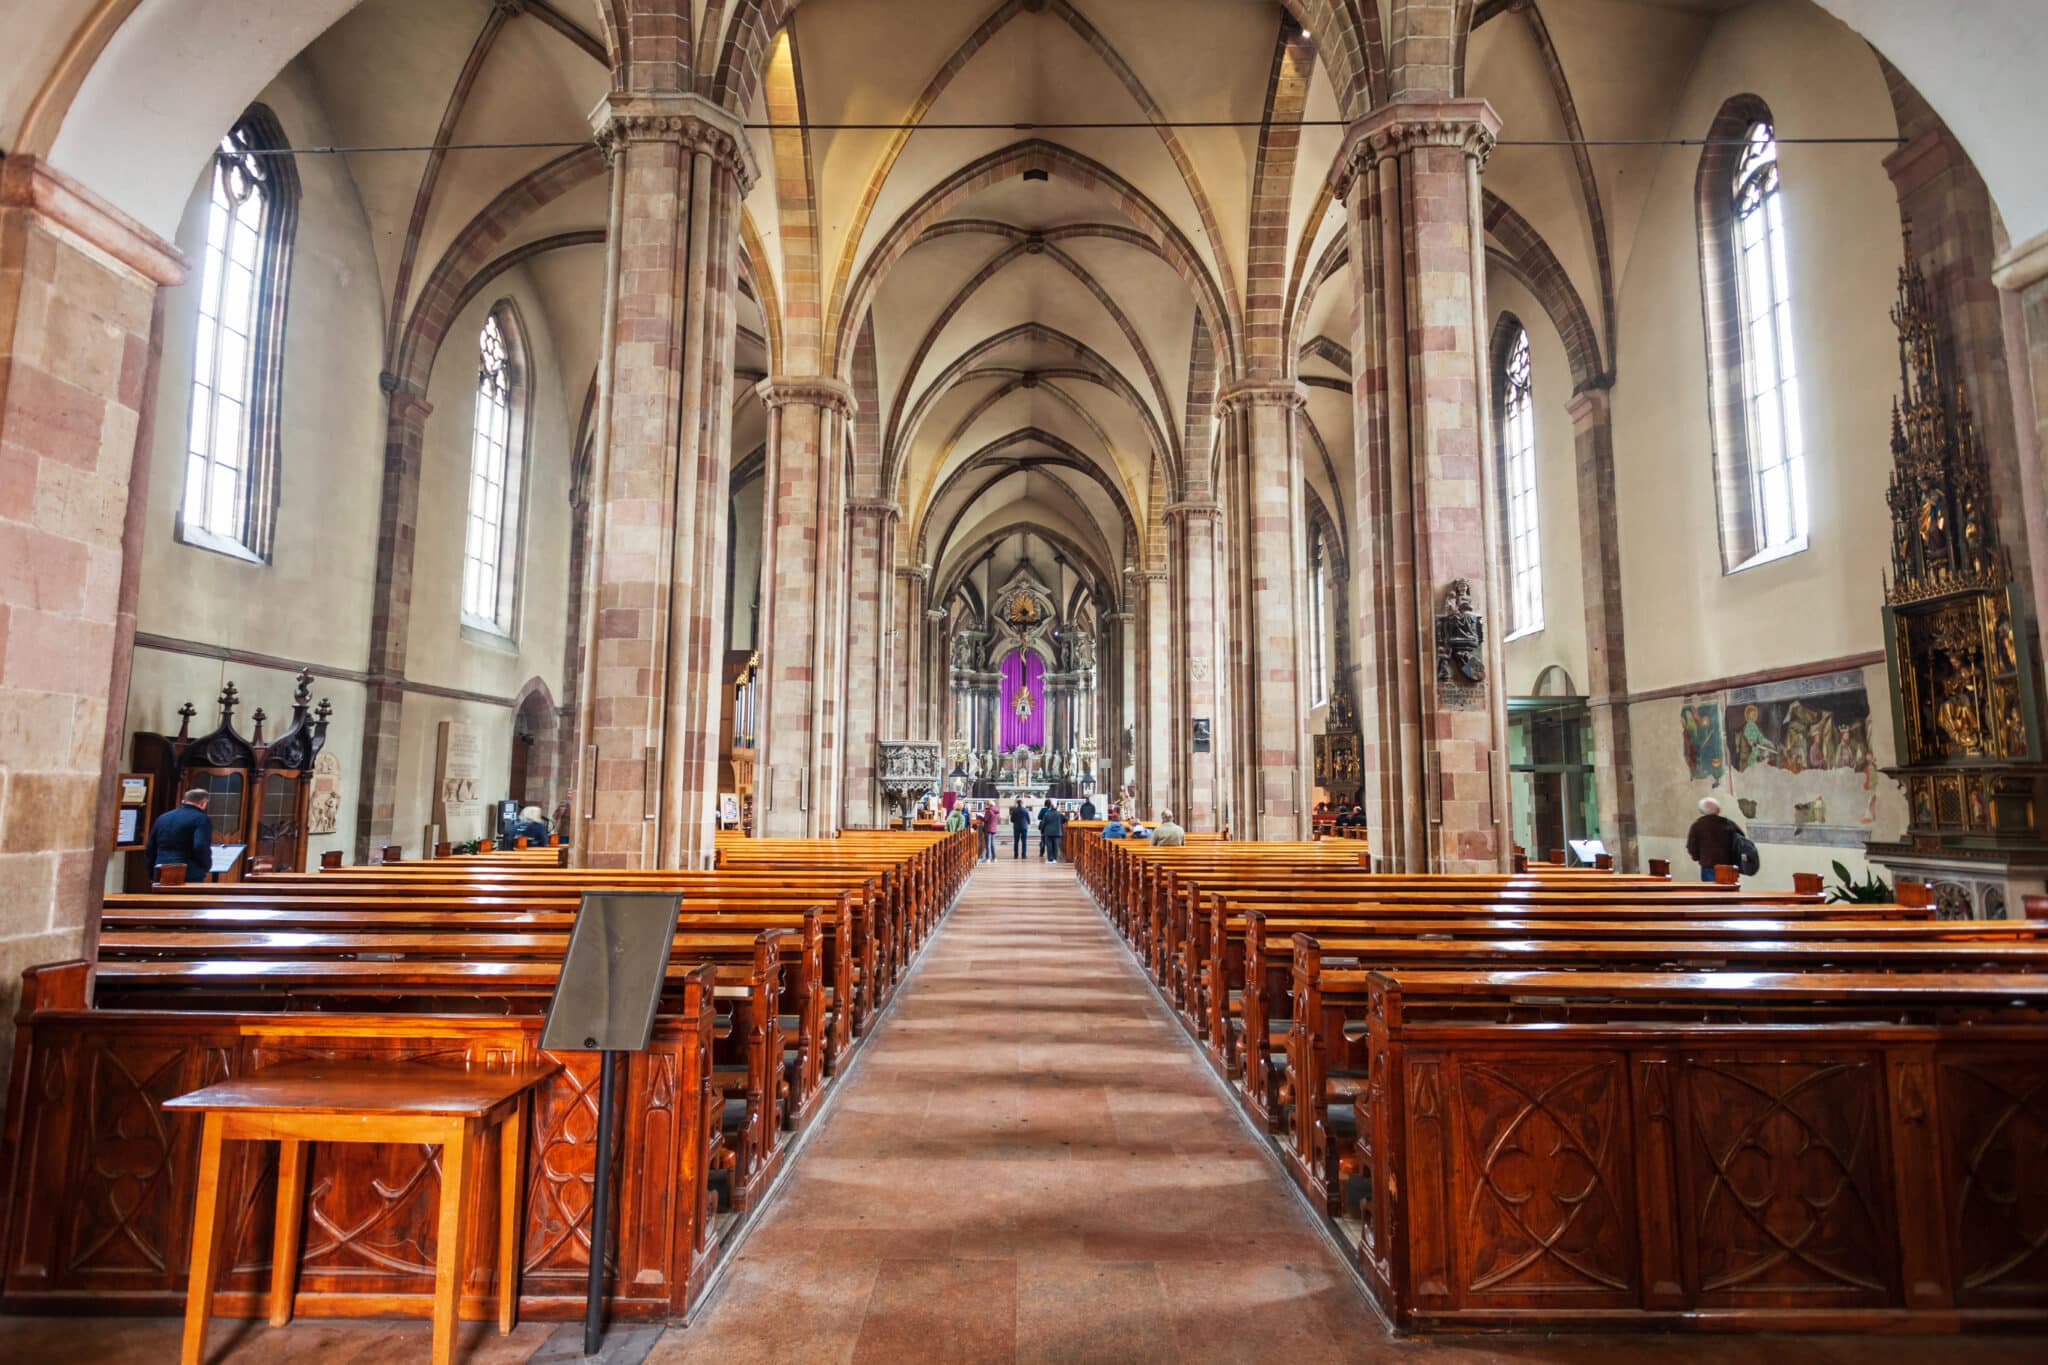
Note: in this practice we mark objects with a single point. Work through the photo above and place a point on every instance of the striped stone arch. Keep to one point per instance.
(1524, 254)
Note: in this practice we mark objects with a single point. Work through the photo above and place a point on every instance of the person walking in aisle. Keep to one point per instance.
(1050, 823)
(987, 822)
(1020, 824)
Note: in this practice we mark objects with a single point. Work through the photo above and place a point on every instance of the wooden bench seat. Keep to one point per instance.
(1558, 1150)
(1327, 1001)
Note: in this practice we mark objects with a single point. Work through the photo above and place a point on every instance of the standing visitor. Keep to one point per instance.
(1050, 823)
(1711, 840)
(1087, 811)
(1167, 834)
(988, 821)
(1020, 824)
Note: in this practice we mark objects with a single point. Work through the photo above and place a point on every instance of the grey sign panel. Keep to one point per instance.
(613, 972)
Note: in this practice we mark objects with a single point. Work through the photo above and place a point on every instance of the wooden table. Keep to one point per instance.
(360, 1101)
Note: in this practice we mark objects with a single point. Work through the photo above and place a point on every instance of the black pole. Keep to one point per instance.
(600, 1231)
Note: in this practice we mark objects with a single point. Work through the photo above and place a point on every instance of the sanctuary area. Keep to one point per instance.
(1005, 680)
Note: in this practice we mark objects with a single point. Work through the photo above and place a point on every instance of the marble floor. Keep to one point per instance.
(1028, 1163)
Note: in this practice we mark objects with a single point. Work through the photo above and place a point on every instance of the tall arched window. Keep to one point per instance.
(231, 444)
(1777, 455)
(1513, 383)
(491, 537)
(1746, 289)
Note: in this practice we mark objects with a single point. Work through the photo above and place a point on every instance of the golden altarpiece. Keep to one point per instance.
(1965, 705)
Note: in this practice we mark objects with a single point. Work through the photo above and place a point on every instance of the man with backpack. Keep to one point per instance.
(1716, 841)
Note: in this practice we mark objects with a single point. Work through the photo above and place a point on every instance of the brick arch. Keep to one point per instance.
(1524, 254)
(455, 277)
(1009, 163)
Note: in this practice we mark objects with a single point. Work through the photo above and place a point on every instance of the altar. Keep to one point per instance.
(1011, 791)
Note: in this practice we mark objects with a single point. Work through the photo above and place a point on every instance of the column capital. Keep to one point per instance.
(1146, 575)
(915, 573)
(936, 613)
(1590, 403)
(874, 507)
(71, 210)
(625, 117)
(2023, 267)
(781, 390)
(1193, 508)
(1399, 126)
(1249, 393)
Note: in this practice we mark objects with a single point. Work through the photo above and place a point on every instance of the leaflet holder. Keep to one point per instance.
(605, 1002)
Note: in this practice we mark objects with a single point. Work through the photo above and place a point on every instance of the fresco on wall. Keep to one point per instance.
(1800, 759)
(1807, 723)
(1701, 722)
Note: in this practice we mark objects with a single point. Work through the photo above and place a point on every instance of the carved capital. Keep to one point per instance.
(879, 508)
(1192, 509)
(1399, 126)
(936, 613)
(810, 390)
(2022, 267)
(690, 120)
(915, 573)
(1145, 575)
(74, 213)
(1278, 393)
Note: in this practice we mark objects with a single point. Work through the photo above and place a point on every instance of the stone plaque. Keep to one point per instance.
(323, 811)
(458, 782)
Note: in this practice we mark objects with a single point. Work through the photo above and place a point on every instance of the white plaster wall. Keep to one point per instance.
(1562, 640)
(1689, 623)
(312, 601)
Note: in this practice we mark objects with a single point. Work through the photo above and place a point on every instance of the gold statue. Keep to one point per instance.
(1023, 704)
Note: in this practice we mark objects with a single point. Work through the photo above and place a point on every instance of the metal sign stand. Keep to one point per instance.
(605, 1002)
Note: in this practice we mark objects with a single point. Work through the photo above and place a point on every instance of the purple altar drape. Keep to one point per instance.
(1023, 672)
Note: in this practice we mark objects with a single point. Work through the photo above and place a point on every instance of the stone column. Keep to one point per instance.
(1194, 530)
(653, 688)
(803, 586)
(1270, 776)
(908, 654)
(1436, 798)
(406, 410)
(2023, 274)
(1606, 651)
(1158, 758)
(78, 287)
(871, 549)
(1120, 689)
(933, 678)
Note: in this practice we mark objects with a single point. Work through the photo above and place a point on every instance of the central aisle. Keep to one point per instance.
(1031, 1163)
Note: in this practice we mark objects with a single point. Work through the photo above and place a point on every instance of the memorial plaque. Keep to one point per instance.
(613, 972)
(458, 782)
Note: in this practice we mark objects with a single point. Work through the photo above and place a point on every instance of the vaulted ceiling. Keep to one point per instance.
(1036, 319)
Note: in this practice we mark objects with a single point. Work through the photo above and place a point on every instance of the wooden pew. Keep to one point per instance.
(820, 954)
(1326, 1061)
(1702, 1151)
(746, 1069)
(100, 1182)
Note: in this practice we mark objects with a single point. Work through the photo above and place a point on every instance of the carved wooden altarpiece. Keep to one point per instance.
(1964, 682)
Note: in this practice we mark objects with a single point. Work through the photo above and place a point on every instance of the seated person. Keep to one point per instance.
(1166, 834)
(530, 827)
(1114, 829)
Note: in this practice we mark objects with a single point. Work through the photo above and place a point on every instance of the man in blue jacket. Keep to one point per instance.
(1050, 823)
(183, 835)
